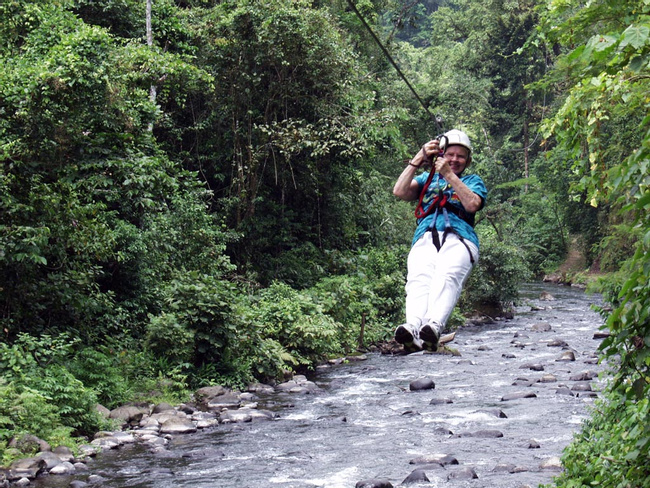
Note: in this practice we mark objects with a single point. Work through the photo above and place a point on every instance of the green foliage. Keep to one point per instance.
(295, 322)
(603, 127)
(495, 280)
(43, 394)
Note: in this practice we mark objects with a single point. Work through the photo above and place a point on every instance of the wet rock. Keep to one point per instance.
(546, 297)
(484, 434)
(163, 407)
(440, 401)
(78, 484)
(225, 401)
(532, 367)
(177, 425)
(442, 431)
(422, 384)
(547, 378)
(207, 393)
(508, 356)
(95, 479)
(25, 468)
(105, 443)
(557, 343)
(553, 463)
(299, 384)
(23, 482)
(495, 412)
(541, 327)
(64, 453)
(601, 335)
(416, 476)
(504, 468)
(582, 386)
(484, 348)
(584, 376)
(567, 356)
(443, 459)
(522, 382)
(357, 358)
(564, 391)
(518, 396)
(373, 484)
(588, 394)
(63, 468)
(411, 413)
(463, 474)
(51, 459)
(533, 444)
(129, 413)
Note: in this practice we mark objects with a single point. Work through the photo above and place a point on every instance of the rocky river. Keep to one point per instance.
(498, 414)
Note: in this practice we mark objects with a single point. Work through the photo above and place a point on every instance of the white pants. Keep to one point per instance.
(435, 278)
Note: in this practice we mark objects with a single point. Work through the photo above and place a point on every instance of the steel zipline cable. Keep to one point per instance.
(397, 68)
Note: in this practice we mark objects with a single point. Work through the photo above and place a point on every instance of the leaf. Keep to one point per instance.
(634, 36)
(600, 43)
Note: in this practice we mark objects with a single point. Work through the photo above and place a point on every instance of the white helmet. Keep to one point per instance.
(456, 137)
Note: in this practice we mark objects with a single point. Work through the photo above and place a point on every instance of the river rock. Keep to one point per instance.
(557, 343)
(63, 468)
(129, 413)
(440, 401)
(518, 396)
(547, 378)
(532, 367)
(567, 356)
(299, 384)
(564, 391)
(504, 468)
(542, 327)
(374, 484)
(416, 476)
(51, 459)
(29, 443)
(226, 401)
(533, 444)
(162, 407)
(103, 411)
(64, 453)
(463, 474)
(422, 384)
(207, 393)
(23, 482)
(553, 463)
(25, 468)
(78, 484)
(443, 459)
(584, 376)
(177, 425)
(546, 297)
(484, 434)
(582, 386)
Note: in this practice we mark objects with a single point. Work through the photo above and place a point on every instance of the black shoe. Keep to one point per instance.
(407, 335)
(430, 335)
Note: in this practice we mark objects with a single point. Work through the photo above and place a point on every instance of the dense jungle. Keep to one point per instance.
(198, 192)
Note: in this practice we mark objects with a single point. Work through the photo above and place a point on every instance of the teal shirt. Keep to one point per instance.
(462, 228)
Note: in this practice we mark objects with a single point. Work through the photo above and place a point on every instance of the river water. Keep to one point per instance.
(366, 423)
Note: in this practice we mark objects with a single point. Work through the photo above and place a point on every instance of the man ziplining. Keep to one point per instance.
(444, 247)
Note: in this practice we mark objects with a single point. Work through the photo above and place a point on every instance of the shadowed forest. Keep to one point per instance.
(198, 192)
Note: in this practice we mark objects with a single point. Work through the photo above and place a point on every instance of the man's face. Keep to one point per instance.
(457, 157)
